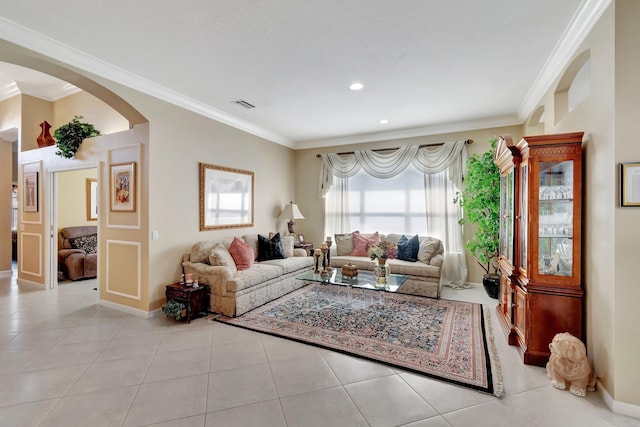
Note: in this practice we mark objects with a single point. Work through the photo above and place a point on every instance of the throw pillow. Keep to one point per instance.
(242, 254)
(287, 244)
(200, 251)
(88, 243)
(428, 249)
(270, 248)
(344, 243)
(361, 244)
(408, 248)
(252, 240)
(220, 255)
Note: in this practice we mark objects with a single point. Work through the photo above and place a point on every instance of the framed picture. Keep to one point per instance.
(123, 187)
(30, 197)
(92, 199)
(300, 238)
(226, 197)
(630, 184)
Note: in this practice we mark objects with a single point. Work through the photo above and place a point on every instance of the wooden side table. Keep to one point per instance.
(307, 246)
(195, 299)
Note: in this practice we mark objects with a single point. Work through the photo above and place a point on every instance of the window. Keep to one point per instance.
(394, 205)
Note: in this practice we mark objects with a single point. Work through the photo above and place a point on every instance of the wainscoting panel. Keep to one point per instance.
(30, 250)
(123, 269)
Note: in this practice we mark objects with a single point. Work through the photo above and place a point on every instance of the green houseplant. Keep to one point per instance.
(70, 136)
(480, 200)
(173, 308)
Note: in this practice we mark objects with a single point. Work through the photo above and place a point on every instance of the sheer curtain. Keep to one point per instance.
(445, 162)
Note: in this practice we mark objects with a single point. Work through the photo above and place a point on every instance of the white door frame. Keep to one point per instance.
(51, 220)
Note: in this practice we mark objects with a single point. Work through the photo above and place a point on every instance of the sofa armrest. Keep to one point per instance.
(437, 260)
(64, 253)
(215, 276)
(186, 257)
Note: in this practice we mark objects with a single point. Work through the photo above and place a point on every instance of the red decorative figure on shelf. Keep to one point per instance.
(45, 139)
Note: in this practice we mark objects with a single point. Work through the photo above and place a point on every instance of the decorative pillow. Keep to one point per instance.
(200, 251)
(428, 249)
(287, 244)
(252, 240)
(361, 243)
(270, 248)
(242, 254)
(88, 243)
(220, 255)
(344, 243)
(408, 248)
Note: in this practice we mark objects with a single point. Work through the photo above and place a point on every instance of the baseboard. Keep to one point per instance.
(20, 281)
(6, 274)
(129, 310)
(616, 407)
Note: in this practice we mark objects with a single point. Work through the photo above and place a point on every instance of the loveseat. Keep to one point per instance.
(244, 273)
(423, 274)
(78, 252)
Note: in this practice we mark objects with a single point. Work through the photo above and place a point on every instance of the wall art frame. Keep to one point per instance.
(30, 192)
(630, 184)
(92, 199)
(123, 185)
(226, 197)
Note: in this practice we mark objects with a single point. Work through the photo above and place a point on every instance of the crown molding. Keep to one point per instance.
(441, 128)
(27, 38)
(581, 24)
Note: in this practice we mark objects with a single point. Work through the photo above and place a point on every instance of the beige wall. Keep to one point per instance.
(308, 172)
(609, 119)
(104, 118)
(34, 112)
(72, 197)
(5, 204)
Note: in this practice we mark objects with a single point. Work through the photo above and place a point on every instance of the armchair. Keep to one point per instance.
(77, 252)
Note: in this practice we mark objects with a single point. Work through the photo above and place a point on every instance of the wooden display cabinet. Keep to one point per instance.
(541, 241)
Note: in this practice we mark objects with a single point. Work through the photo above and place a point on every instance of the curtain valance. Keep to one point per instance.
(387, 164)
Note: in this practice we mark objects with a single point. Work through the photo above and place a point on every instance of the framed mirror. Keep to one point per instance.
(226, 198)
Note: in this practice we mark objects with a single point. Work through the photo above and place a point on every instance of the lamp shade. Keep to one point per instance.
(290, 211)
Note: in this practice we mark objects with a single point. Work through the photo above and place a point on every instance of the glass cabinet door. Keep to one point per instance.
(555, 224)
(507, 199)
(523, 228)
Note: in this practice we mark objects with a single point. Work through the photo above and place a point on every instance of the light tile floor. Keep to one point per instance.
(67, 361)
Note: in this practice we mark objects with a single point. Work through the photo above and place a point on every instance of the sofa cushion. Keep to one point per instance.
(414, 269)
(252, 240)
(88, 243)
(220, 255)
(270, 248)
(200, 251)
(361, 243)
(291, 264)
(428, 249)
(408, 248)
(242, 254)
(258, 273)
(344, 243)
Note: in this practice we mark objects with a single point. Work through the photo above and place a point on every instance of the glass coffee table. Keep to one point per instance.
(364, 280)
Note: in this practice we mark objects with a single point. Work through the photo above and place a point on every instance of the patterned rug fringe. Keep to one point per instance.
(496, 369)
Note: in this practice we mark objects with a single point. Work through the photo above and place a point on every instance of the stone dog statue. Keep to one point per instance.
(568, 365)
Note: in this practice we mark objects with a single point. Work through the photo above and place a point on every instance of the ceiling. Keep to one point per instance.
(428, 66)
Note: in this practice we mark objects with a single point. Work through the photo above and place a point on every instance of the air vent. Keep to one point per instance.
(244, 104)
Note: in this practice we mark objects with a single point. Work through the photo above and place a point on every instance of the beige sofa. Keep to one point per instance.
(423, 275)
(235, 293)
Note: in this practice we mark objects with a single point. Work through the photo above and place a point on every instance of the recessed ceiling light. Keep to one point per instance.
(356, 86)
(384, 121)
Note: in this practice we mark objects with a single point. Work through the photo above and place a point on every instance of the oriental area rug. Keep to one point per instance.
(443, 339)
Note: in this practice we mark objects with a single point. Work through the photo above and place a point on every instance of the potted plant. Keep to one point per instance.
(70, 136)
(480, 200)
(173, 308)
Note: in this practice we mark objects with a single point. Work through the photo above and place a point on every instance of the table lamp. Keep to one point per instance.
(291, 212)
